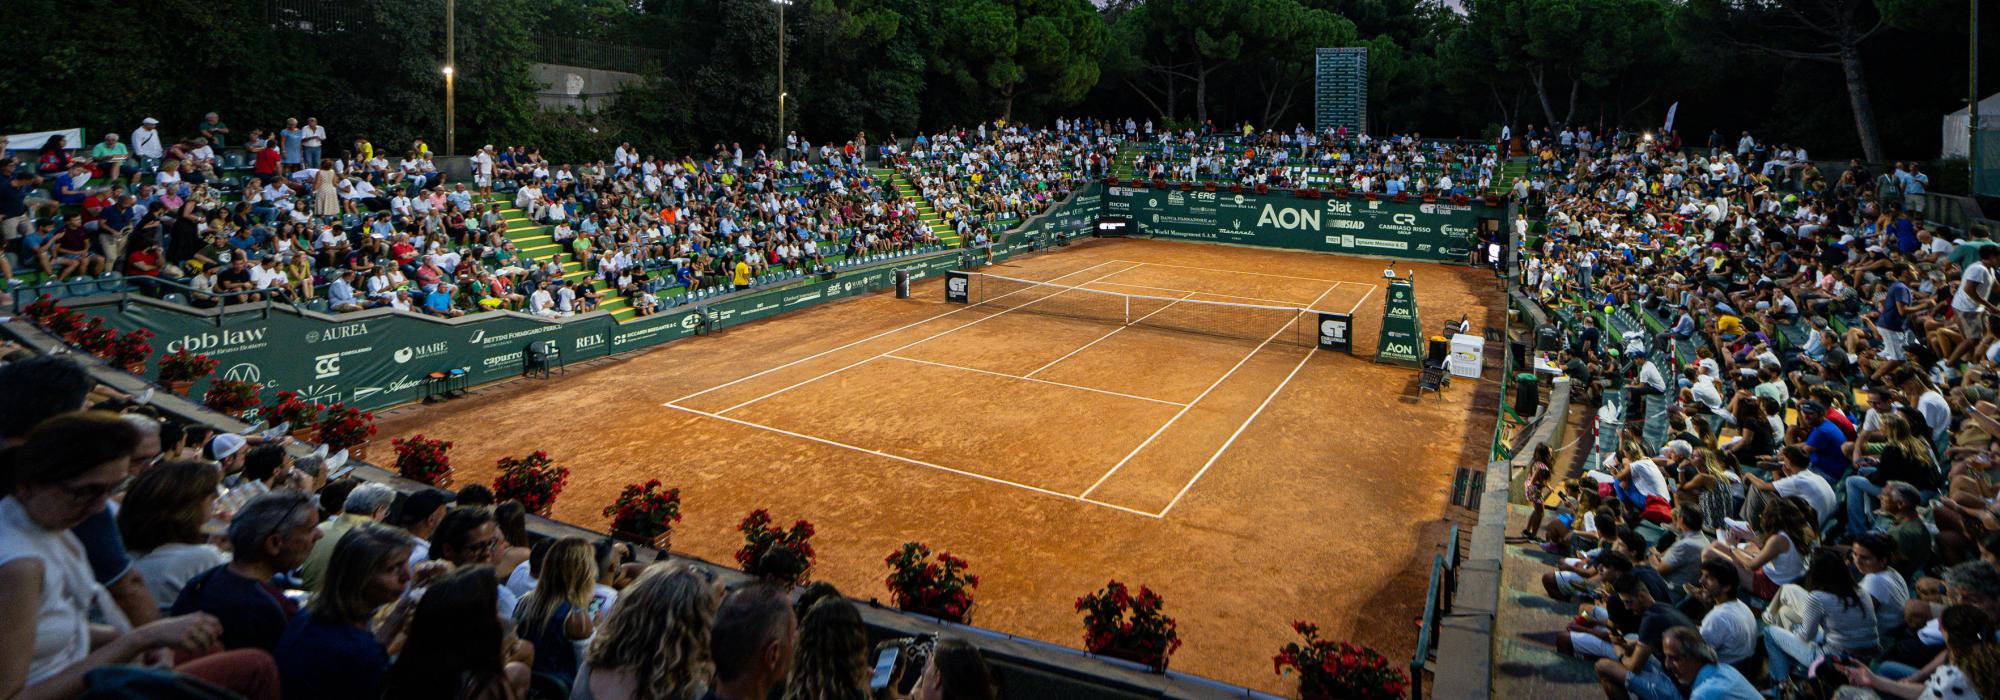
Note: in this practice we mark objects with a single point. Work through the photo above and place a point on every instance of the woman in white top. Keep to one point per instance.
(162, 521)
(64, 473)
(1773, 559)
(1838, 618)
(1968, 643)
(1871, 554)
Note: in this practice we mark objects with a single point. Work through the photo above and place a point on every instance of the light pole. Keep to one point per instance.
(1972, 108)
(450, 61)
(782, 149)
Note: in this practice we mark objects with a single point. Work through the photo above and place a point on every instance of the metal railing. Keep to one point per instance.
(1438, 597)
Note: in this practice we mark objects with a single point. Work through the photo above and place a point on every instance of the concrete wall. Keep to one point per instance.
(573, 87)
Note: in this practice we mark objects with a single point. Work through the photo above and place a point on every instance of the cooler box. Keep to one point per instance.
(1468, 355)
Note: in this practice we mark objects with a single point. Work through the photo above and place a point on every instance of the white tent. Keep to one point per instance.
(1955, 125)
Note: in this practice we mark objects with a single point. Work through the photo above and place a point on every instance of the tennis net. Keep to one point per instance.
(1277, 324)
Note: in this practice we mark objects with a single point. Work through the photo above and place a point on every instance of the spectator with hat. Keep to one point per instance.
(418, 518)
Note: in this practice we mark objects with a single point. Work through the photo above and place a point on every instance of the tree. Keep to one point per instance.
(1825, 31)
(1048, 49)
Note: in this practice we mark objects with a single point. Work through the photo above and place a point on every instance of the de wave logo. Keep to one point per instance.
(244, 372)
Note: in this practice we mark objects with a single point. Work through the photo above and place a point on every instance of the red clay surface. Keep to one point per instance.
(1054, 453)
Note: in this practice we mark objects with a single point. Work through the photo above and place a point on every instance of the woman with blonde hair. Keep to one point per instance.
(831, 662)
(654, 645)
(554, 616)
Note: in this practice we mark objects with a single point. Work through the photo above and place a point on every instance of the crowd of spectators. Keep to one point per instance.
(363, 230)
(1793, 484)
(992, 175)
(134, 562)
(1331, 158)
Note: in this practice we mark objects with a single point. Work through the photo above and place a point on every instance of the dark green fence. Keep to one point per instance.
(1410, 230)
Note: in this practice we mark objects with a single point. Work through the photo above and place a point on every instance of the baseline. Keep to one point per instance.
(917, 462)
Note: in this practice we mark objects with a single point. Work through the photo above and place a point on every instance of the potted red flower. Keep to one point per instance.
(1402, 196)
(1121, 625)
(534, 480)
(40, 310)
(180, 369)
(129, 351)
(1370, 195)
(344, 427)
(1330, 670)
(92, 337)
(776, 553)
(303, 415)
(1112, 180)
(1187, 186)
(1460, 200)
(939, 588)
(231, 397)
(1431, 196)
(1263, 188)
(1210, 185)
(423, 459)
(646, 514)
(1341, 192)
(1159, 183)
(1236, 188)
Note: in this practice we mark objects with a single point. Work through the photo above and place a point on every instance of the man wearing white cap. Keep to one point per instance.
(226, 450)
(146, 147)
(482, 166)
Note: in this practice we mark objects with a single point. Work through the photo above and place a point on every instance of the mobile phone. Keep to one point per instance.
(885, 666)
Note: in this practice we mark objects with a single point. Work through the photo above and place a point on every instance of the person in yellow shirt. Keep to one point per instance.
(742, 274)
(1728, 326)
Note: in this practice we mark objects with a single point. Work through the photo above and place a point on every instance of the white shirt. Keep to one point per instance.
(1812, 487)
(1732, 629)
(146, 143)
(1647, 479)
(62, 616)
(313, 135)
(1936, 412)
(521, 580)
(1977, 280)
(170, 566)
(1890, 593)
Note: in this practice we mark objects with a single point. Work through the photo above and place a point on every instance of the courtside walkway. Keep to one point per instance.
(1525, 662)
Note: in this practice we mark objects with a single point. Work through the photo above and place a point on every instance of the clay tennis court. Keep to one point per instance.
(1057, 435)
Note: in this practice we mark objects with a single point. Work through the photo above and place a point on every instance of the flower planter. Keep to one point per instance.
(1135, 655)
(964, 618)
(441, 479)
(308, 434)
(358, 452)
(136, 369)
(179, 387)
(663, 541)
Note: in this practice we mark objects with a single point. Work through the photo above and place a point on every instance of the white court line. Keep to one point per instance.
(1358, 302)
(925, 339)
(1032, 379)
(1233, 272)
(1239, 432)
(917, 462)
(1279, 302)
(1114, 331)
(1204, 394)
(872, 337)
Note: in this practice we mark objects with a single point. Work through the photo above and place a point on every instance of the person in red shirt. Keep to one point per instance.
(267, 164)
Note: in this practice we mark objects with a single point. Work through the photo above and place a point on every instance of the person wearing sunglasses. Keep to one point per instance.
(63, 473)
(471, 537)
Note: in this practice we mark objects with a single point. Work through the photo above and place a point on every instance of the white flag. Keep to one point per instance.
(1670, 116)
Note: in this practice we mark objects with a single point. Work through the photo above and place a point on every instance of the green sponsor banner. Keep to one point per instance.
(1400, 342)
(1412, 230)
(374, 359)
(370, 359)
